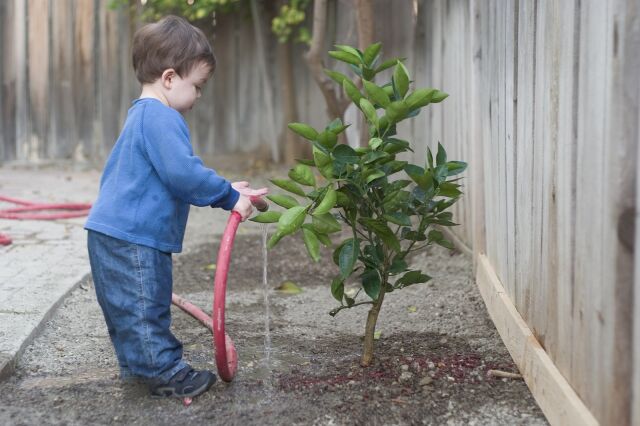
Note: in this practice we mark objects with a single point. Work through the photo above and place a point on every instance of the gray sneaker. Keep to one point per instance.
(186, 383)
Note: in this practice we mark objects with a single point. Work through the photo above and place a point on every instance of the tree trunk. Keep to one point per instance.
(335, 106)
(370, 328)
(293, 145)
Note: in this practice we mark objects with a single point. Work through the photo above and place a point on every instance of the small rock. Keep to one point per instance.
(406, 375)
(425, 381)
(404, 367)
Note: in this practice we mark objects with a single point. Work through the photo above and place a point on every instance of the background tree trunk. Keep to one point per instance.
(336, 106)
(294, 147)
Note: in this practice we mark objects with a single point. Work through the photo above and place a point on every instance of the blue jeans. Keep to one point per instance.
(133, 285)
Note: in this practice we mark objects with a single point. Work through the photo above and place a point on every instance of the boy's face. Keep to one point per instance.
(184, 91)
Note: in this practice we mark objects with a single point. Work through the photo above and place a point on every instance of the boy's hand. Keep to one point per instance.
(244, 189)
(244, 207)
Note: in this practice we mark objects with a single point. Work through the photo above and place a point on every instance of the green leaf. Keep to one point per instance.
(312, 244)
(383, 231)
(369, 111)
(435, 236)
(398, 218)
(412, 277)
(348, 256)
(398, 265)
(373, 156)
(373, 175)
(345, 154)
(401, 79)
(371, 52)
(305, 161)
(336, 76)
(327, 171)
(343, 199)
(450, 190)
(302, 174)
(325, 224)
(396, 111)
(388, 64)
(327, 203)
(304, 130)
(393, 146)
(419, 175)
(368, 73)
(288, 287)
(429, 164)
(320, 158)
(291, 220)
(328, 139)
(345, 57)
(352, 50)
(267, 217)
(441, 156)
(288, 185)
(336, 126)
(337, 288)
(371, 283)
(352, 91)
(439, 97)
(374, 143)
(282, 200)
(275, 238)
(445, 243)
(376, 94)
(420, 98)
(456, 167)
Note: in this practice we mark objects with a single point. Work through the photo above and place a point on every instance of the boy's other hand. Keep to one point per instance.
(243, 188)
(244, 207)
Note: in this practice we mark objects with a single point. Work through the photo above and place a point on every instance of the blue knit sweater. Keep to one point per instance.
(151, 178)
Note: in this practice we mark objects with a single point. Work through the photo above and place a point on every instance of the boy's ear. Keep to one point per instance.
(167, 77)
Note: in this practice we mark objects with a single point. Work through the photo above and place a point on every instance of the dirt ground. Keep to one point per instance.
(436, 346)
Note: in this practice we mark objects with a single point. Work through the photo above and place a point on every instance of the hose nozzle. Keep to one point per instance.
(259, 203)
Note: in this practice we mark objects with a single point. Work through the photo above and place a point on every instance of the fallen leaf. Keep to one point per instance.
(376, 335)
(412, 309)
(210, 267)
(289, 287)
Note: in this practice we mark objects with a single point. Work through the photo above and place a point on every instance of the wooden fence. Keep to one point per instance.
(67, 80)
(545, 106)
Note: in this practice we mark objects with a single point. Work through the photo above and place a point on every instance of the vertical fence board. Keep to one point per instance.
(84, 70)
(565, 184)
(63, 130)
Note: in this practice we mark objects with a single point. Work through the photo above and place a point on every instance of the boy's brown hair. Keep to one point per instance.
(171, 42)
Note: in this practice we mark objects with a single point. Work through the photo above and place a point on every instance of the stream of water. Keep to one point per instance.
(265, 289)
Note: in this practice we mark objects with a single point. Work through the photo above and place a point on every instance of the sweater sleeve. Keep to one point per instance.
(167, 145)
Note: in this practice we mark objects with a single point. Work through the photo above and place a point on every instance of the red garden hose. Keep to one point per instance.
(76, 210)
(225, 351)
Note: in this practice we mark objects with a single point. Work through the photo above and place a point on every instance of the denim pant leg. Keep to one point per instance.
(133, 285)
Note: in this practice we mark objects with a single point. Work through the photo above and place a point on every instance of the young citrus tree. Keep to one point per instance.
(388, 205)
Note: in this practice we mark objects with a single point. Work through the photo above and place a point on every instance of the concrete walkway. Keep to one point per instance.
(48, 259)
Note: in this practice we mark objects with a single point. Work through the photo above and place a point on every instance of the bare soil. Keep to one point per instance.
(436, 347)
